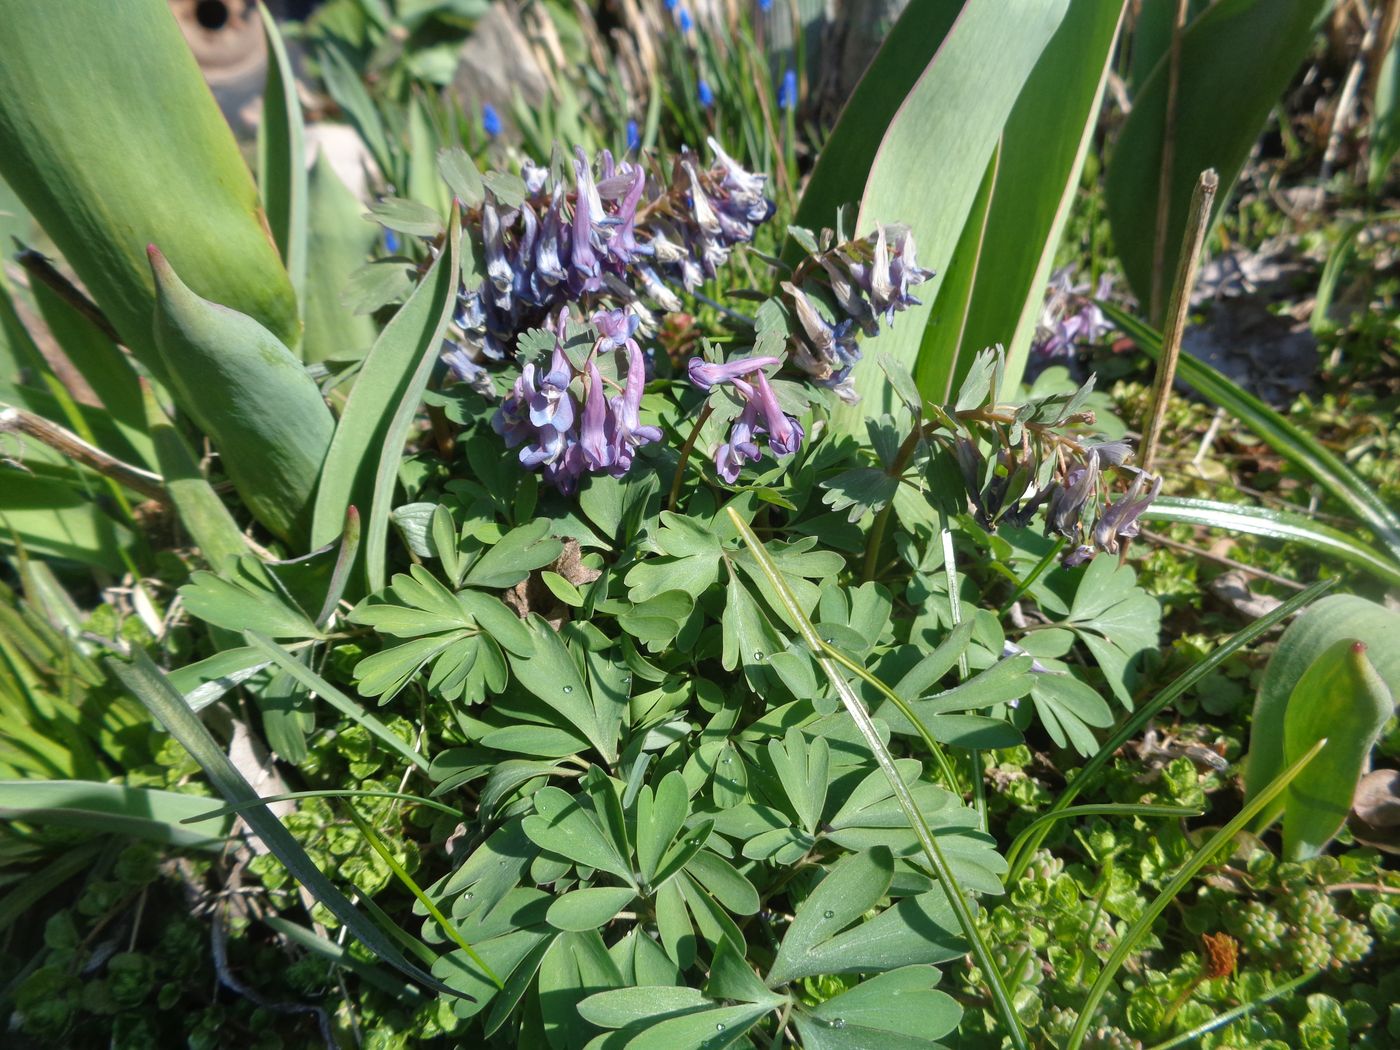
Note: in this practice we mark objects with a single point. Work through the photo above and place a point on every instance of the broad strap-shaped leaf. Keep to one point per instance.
(282, 178)
(149, 685)
(1236, 60)
(1329, 622)
(251, 395)
(1039, 162)
(144, 813)
(945, 130)
(1341, 698)
(125, 148)
(361, 466)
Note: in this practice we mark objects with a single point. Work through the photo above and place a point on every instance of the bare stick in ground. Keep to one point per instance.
(1197, 222)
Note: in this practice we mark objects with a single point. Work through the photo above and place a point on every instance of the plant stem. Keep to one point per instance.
(1197, 222)
(1221, 1020)
(938, 862)
(1033, 575)
(1194, 864)
(65, 442)
(685, 456)
(882, 519)
(1148, 711)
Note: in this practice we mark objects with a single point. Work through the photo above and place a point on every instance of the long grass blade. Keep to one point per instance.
(149, 685)
(959, 900)
(1276, 525)
(1130, 726)
(1143, 926)
(333, 696)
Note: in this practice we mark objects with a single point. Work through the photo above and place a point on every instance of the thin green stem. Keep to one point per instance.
(238, 807)
(1144, 714)
(1033, 575)
(1143, 926)
(448, 927)
(945, 768)
(957, 898)
(1221, 1020)
(685, 455)
(1105, 809)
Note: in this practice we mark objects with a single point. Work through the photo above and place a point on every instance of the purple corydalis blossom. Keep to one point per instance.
(731, 456)
(1069, 317)
(598, 451)
(611, 231)
(1069, 499)
(762, 415)
(542, 417)
(628, 433)
(1119, 520)
(784, 432)
(706, 374)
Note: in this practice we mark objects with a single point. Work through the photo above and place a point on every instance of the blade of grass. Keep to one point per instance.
(291, 796)
(344, 559)
(1277, 525)
(149, 685)
(1104, 809)
(957, 898)
(403, 876)
(1290, 441)
(333, 696)
(1129, 727)
(1143, 926)
(313, 942)
(1221, 1020)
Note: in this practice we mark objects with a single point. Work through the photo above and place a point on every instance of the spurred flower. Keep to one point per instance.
(705, 374)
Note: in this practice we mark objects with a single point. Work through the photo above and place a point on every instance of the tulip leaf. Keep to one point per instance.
(948, 123)
(282, 156)
(201, 511)
(117, 146)
(1329, 622)
(361, 466)
(1340, 698)
(1236, 59)
(1036, 177)
(340, 242)
(250, 394)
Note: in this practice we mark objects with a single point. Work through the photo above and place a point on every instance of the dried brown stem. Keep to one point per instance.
(18, 421)
(1164, 183)
(1197, 221)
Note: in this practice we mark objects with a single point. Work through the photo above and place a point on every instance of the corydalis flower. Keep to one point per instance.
(761, 415)
(541, 415)
(862, 281)
(605, 231)
(1069, 318)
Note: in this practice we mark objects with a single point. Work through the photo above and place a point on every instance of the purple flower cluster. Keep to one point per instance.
(543, 417)
(620, 232)
(864, 280)
(761, 415)
(1081, 490)
(1069, 318)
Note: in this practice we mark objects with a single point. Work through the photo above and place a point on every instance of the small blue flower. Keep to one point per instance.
(671, 4)
(787, 93)
(765, 5)
(391, 242)
(684, 20)
(490, 120)
(634, 136)
(705, 94)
